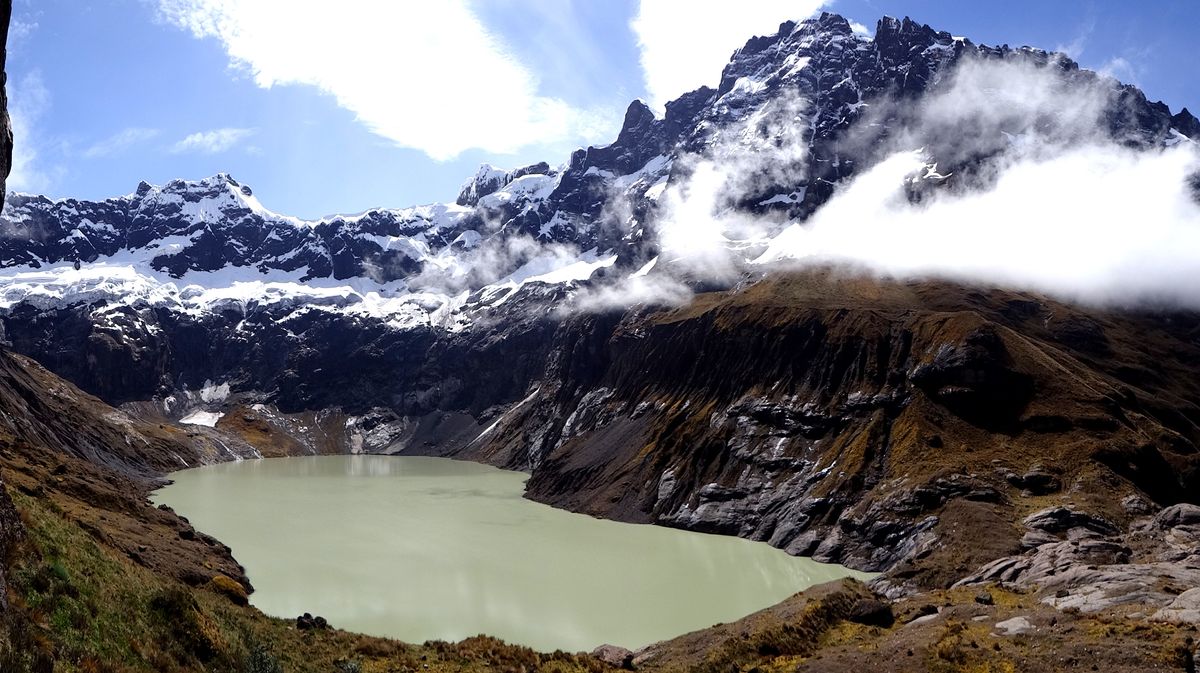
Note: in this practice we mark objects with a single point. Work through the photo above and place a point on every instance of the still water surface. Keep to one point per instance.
(424, 548)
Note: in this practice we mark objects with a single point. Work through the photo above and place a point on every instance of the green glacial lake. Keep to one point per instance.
(424, 548)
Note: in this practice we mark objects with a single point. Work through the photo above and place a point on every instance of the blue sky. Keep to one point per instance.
(395, 103)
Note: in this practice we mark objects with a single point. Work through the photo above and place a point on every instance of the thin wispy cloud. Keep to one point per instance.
(119, 142)
(1122, 69)
(428, 76)
(684, 50)
(212, 142)
(19, 31)
(29, 100)
(1076, 47)
(861, 29)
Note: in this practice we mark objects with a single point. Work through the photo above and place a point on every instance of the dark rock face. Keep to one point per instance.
(1061, 520)
(1182, 514)
(312, 360)
(975, 379)
(863, 431)
(1036, 481)
(1187, 124)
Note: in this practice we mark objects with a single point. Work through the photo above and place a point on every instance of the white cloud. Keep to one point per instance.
(655, 290)
(1077, 46)
(426, 75)
(1058, 206)
(119, 142)
(1122, 69)
(1098, 224)
(29, 99)
(18, 32)
(685, 45)
(987, 107)
(211, 142)
(1054, 204)
(700, 228)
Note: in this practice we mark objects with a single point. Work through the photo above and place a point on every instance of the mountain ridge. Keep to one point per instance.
(563, 204)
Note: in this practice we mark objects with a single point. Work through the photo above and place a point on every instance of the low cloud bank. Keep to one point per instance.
(1096, 224)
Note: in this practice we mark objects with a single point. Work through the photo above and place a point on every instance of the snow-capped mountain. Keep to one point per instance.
(129, 277)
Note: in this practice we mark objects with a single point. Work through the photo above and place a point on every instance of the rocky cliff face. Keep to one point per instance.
(874, 424)
(98, 464)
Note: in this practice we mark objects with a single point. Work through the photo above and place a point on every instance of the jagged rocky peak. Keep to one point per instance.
(1187, 124)
(642, 137)
(638, 118)
(212, 186)
(897, 38)
(489, 179)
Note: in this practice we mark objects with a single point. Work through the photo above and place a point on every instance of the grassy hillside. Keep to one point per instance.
(78, 606)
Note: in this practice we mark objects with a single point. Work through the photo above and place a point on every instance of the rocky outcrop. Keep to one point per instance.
(1080, 562)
